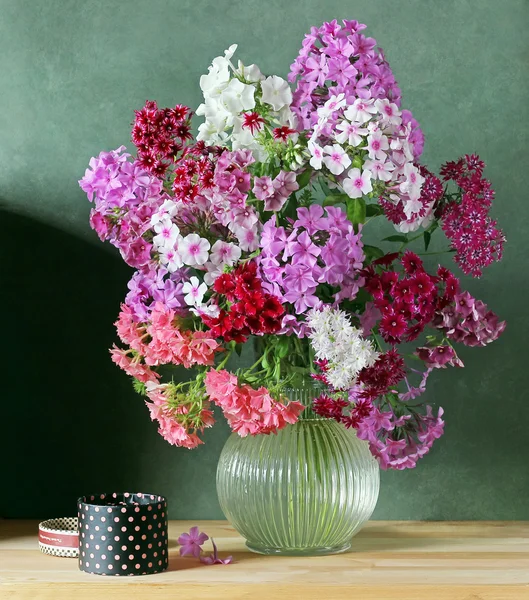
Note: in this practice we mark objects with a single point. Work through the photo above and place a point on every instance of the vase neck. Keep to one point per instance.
(305, 393)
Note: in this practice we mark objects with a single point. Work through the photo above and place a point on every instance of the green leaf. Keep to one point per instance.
(372, 252)
(283, 346)
(396, 238)
(289, 210)
(356, 210)
(374, 210)
(427, 238)
(238, 349)
(304, 178)
(333, 199)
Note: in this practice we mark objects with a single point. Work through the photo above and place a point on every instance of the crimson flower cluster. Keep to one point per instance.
(408, 301)
(465, 219)
(160, 134)
(194, 172)
(248, 310)
(333, 408)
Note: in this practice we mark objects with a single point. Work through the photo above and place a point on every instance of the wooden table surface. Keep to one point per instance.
(398, 560)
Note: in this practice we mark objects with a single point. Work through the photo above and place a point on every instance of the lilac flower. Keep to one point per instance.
(213, 558)
(285, 183)
(191, 543)
(263, 188)
(438, 357)
(311, 219)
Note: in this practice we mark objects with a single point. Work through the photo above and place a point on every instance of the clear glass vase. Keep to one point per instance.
(305, 491)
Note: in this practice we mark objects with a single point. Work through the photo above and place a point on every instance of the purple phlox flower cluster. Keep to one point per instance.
(125, 197)
(148, 286)
(469, 321)
(336, 59)
(317, 249)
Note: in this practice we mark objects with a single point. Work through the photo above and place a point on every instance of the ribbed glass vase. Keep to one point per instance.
(305, 491)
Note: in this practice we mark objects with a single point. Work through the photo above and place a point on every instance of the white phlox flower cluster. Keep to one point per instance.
(336, 340)
(231, 92)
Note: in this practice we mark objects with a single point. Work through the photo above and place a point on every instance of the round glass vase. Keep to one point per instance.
(305, 491)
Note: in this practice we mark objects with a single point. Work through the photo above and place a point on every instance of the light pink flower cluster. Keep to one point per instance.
(275, 193)
(247, 410)
(179, 415)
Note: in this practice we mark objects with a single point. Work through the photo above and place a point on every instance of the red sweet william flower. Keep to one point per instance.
(252, 121)
(282, 133)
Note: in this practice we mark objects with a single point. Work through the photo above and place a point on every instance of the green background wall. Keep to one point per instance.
(71, 72)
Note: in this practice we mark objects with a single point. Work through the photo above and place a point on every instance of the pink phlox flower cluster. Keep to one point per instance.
(275, 192)
(469, 321)
(249, 411)
(228, 197)
(317, 248)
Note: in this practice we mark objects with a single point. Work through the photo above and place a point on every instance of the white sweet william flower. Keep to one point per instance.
(194, 250)
(336, 159)
(167, 234)
(224, 253)
(276, 92)
(335, 339)
(209, 310)
(358, 183)
(377, 145)
(360, 111)
(194, 291)
(351, 133)
(238, 96)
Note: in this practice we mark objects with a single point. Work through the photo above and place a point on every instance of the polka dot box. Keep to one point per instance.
(123, 534)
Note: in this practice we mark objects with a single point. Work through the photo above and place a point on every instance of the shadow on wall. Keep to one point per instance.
(63, 429)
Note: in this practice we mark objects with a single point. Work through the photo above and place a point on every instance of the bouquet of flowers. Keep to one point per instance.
(258, 228)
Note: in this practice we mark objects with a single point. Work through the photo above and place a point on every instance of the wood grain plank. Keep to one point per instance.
(408, 560)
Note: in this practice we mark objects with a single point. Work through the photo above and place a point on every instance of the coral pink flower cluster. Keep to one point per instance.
(247, 410)
(160, 342)
(178, 419)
